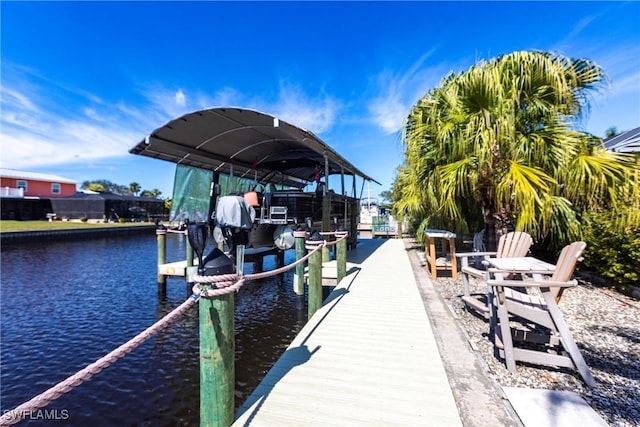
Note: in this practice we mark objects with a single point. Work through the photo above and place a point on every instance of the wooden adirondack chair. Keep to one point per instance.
(544, 324)
(512, 244)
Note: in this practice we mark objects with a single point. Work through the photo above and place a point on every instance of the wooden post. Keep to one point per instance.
(315, 278)
(341, 256)
(161, 237)
(298, 286)
(217, 360)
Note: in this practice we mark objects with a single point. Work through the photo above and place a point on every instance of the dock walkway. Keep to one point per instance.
(367, 357)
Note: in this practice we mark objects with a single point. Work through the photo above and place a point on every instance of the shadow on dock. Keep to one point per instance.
(297, 356)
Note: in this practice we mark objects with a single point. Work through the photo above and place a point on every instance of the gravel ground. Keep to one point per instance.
(606, 327)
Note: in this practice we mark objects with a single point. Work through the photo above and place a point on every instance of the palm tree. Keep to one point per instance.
(497, 143)
(134, 188)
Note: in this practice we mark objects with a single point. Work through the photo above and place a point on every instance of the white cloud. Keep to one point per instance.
(316, 114)
(181, 99)
(43, 124)
(88, 130)
(399, 91)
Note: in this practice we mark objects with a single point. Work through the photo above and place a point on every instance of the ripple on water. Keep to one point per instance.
(66, 304)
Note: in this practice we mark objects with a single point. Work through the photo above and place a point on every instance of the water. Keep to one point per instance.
(66, 304)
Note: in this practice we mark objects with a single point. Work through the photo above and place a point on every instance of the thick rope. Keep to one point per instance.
(169, 230)
(339, 234)
(224, 284)
(228, 283)
(43, 399)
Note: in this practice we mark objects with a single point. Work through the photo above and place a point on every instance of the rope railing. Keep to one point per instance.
(169, 230)
(340, 235)
(228, 283)
(65, 386)
(224, 284)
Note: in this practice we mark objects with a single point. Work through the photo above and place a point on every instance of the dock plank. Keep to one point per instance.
(367, 357)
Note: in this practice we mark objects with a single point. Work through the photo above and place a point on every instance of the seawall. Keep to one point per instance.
(18, 237)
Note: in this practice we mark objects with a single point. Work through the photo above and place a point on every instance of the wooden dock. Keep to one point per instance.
(179, 268)
(367, 357)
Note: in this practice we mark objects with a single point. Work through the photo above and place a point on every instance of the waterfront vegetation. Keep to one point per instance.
(498, 147)
(10, 225)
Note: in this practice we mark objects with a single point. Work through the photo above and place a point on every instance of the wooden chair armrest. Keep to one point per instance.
(532, 283)
(516, 271)
(470, 254)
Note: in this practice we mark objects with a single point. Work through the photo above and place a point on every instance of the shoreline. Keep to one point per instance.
(80, 233)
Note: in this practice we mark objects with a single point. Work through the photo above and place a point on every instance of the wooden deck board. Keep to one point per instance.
(367, 357)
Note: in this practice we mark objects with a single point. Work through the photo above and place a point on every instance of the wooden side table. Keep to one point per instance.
(448, 242)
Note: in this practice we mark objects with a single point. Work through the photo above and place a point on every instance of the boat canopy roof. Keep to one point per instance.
(258, 145)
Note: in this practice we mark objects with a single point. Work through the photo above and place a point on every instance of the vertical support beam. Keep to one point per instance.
(315, 278)
(326, 224)
(189, 253)
(161, 238)
(341, 257)
(298, 285)
(431, 241)
(217, 360)
(190, 270)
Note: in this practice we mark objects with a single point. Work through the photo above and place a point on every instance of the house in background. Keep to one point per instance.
(625, 142)
(27, 195)
(31, 184)
(34, 196)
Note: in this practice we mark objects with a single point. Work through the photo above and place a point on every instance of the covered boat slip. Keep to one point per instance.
(280, 157)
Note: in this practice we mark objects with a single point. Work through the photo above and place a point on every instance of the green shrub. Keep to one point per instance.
(612, 255)
(84, 219)
(121, 220)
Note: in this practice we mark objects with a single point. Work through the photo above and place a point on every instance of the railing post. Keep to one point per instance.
(216, 313)
(161, 237)
(217, 360)
(315, 277)
(341, 255)
(298, 286)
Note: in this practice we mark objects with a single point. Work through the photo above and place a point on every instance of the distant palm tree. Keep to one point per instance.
(496, 144)
(134, 188)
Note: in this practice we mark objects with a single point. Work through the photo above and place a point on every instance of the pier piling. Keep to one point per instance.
(217, 360)
(341, 257)
(298, 286)
(161, 237)
(315, 277)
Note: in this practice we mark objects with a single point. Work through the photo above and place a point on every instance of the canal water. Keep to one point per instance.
(66, 304)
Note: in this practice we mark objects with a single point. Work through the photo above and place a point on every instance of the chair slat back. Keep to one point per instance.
(514, 244)
(566, 264)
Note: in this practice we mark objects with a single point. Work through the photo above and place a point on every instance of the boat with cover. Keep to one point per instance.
(255, 178)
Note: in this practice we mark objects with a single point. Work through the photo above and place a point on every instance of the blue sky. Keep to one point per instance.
(83, 82)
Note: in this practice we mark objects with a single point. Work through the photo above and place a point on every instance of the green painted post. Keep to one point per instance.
(315, 278)
(341, 256)
(161, 237)
(217, 360)
(298, 285)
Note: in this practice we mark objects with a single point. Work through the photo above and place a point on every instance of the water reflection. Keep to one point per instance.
(64, 305)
